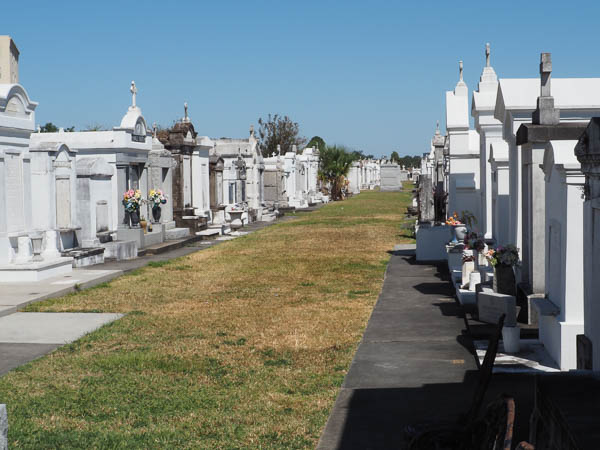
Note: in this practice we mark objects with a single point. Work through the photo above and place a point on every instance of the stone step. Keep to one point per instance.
(168, 245)
(209, 232)
(120, 250)
(83, 257)
(173, 234)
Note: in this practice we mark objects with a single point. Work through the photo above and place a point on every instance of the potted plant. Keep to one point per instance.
(503, 259)
(131, 201)
(156, 198)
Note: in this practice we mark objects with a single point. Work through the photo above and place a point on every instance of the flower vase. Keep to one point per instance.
(156, 212)
(504, 279)
(135, 218)
(460, 232)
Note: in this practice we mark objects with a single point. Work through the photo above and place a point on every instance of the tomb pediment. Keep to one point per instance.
(94, 167)
(14, 101)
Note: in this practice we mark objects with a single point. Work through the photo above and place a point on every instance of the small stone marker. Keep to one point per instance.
(492, 305)
(3, 428)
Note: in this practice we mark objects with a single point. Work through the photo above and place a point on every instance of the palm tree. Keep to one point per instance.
(335, 164)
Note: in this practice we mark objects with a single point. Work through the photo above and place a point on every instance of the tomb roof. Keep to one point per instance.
(499, 151)
(520, 94)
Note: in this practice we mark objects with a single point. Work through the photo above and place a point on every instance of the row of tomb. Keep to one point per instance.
(63, 195)
(529, 174)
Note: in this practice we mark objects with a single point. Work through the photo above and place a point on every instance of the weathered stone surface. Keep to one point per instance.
(491, 306)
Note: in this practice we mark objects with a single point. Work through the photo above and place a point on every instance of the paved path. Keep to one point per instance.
(414, 365)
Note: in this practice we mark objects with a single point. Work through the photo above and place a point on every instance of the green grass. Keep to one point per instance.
(243, 345)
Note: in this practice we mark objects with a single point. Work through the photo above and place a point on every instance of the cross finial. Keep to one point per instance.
(545, 74)
(133, 91)
(487, 55)
(185, 109)
(460, 71)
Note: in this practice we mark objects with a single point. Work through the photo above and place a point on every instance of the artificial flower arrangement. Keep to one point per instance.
(453, 220)
(507, 255)
(157, 197)
(132, 199)
(474, 241)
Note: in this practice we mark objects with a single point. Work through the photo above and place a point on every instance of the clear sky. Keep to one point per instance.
(367, 74)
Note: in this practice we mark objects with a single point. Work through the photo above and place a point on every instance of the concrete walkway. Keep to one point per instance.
(414, 367)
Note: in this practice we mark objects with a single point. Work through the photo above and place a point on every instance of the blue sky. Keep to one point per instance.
(370, 75)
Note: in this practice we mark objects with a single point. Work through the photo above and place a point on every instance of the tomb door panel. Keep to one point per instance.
(15, 208)
(63, 202)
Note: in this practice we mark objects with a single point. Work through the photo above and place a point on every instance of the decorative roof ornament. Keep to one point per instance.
(251, 130)
(460, 71)
(154, 130)
(186, 119)
(279, 149)
(133, 91)
(437, 127)
(487, 54)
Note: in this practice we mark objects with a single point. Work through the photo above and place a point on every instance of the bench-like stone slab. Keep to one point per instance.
(491, 305)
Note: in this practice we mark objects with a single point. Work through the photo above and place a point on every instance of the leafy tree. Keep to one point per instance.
(317, 142)
(49, 127)
(395, 157)
(334, 167)
(277, 130)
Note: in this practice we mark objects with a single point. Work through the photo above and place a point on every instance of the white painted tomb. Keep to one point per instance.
(354, 178)
(500, 204)
(490, 131)
(578, 100)
(561, 313)
(28, 240)
(390, 177)
(588, 154)
(463, 152)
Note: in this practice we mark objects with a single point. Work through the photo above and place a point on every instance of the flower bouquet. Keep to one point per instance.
(453, 220)
(474, 241)
(157, 197)
(132, 200)
(507, 255)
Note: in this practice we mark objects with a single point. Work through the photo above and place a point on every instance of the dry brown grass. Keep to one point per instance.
(240, 345)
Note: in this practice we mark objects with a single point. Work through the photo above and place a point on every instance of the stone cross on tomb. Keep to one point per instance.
(545, 74)
(487, 55)
(460, 70)
(133, 91)
(545, 113)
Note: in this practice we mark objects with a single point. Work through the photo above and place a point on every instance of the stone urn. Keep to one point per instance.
(236, 219)
(156, 212)
(134, 216)
(504, 279)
